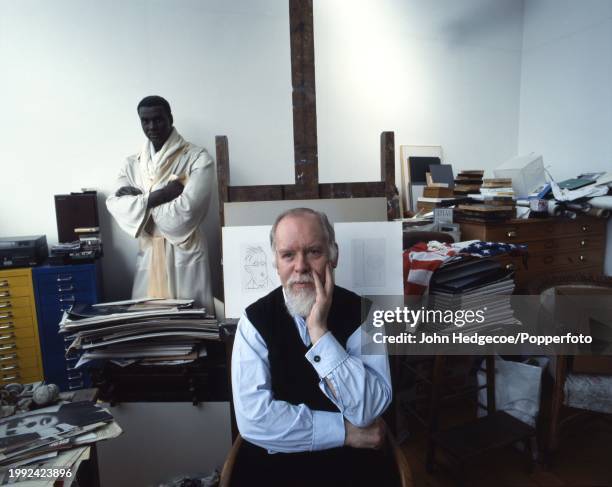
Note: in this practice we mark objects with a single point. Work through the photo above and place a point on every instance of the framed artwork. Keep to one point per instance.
(415, 162)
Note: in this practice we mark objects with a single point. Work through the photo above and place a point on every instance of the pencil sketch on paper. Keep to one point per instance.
(368, 262)
(254, 268)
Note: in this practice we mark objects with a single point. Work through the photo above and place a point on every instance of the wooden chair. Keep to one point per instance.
(404, 470)
(560, 414)
(391, 446)
(402, 367)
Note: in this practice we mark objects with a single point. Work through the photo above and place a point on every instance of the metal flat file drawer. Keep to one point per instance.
(15, 302)
(26, 356)
(57, 289)
(15, 291)
(13, 323)
(8, 313)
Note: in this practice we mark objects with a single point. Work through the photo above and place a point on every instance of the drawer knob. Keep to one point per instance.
(10, 346)
(511, 234)
(10, 377)
(6, 304)
(7, 337)
(8, 367)
(510, 267)
(585, 228)
(583, 243)
(67, 299)
(5, 294)
(8, 326)
(8, 315)
(582, 258)
(78, 385)
(4, 283)
(64, 278)
(12, 356)
(63, 289)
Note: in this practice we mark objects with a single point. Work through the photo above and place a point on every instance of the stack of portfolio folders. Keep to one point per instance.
(473, 284)
(159, 331)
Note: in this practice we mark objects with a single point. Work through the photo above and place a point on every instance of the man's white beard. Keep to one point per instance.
(299, 303)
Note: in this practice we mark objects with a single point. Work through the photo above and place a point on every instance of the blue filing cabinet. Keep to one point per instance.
(56, 289)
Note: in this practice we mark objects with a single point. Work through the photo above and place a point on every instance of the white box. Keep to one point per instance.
(526, 172)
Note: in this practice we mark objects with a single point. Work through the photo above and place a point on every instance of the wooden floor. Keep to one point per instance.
(585, 459)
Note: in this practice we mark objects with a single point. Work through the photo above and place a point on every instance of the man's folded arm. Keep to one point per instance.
(129, 211)
(178, 218)
(360, 385)
(275, 425)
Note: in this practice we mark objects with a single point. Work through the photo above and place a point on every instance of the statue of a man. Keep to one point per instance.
(162, 197)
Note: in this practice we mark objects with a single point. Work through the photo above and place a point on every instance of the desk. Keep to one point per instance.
(184, 406)
(556, 246)
(204, 379)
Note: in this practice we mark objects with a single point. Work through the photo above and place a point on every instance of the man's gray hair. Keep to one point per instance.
(328, 230)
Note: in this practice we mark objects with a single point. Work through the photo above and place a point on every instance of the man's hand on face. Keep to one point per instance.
(128, 191)
(372, 436)
(317, 319)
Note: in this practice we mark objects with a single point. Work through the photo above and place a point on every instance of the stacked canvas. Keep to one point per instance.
(154, 330)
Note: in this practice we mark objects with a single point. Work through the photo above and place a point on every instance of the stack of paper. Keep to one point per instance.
(54, 438)
(167, 330)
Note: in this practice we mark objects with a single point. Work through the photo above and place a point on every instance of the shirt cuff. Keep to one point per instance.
(326, 355)
(328, 430)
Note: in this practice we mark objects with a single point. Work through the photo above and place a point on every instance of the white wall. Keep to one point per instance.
(74, 70)
(458, 74)
(566, 88)
(437, 73)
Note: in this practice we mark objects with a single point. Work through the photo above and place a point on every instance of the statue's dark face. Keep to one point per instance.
(156, 124)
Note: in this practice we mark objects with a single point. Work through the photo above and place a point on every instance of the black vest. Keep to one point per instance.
(294, 379)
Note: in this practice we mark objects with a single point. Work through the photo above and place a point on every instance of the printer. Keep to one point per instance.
(23, 251)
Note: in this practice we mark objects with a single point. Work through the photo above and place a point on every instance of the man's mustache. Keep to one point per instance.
(306, 278)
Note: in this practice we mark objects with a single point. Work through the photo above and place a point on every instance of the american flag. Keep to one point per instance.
(422, 260)
(490, 249)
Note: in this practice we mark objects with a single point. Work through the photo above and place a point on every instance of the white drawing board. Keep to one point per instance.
(370, 259)
(248, 271)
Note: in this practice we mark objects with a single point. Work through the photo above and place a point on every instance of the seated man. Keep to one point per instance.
(307, 402)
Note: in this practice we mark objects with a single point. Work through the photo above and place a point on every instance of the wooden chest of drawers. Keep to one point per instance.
(20, 357)
(555, 246)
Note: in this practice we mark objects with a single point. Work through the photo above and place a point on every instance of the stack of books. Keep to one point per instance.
(435, 195)
(152, 331)
(485, 212)
(497, 187)
(53, 439)
(468, 181)
(494, 202)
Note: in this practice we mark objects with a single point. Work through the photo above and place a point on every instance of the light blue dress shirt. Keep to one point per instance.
(362, 385)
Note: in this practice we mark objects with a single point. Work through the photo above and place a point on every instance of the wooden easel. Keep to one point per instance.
(307, 184)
